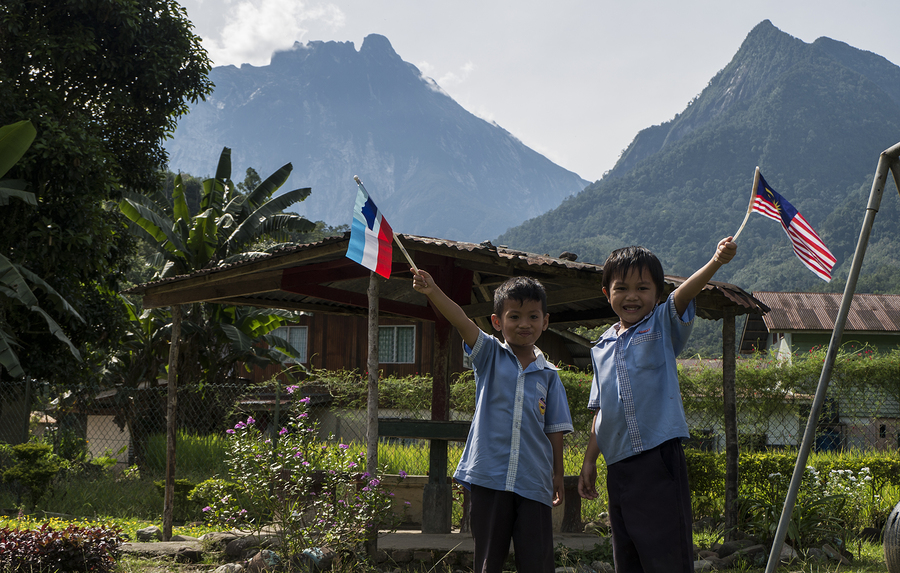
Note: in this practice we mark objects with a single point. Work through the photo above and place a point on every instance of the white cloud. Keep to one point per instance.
(453, 78)
(254, 29)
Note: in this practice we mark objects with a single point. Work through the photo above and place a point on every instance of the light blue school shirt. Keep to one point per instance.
(507, 448)
(635, 386)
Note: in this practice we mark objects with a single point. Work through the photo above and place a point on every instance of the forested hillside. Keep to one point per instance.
(813, 117)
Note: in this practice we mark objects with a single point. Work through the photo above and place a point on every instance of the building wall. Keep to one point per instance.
(337, 342)
(802, 342)
(103, 435)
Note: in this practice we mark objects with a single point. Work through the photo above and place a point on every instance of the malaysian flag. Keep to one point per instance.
(805, 241)
(370, 235)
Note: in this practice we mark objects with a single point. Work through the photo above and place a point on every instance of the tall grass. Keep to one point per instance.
(197, 456)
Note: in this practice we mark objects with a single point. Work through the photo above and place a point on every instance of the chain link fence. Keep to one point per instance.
(130, 424)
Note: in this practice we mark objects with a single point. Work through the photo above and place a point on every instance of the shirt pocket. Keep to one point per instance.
(647, 351)
(540, 401)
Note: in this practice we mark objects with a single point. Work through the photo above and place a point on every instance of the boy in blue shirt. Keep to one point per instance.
(512, 463)
(639, 420)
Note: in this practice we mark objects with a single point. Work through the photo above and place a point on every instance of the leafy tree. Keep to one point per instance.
(15, 279)
(228, 228)
(104, 83)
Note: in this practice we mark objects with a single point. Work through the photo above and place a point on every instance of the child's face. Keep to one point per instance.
(521, 322)
(632, 297)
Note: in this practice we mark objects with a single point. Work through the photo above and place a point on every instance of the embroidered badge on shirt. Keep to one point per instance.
(542, 406)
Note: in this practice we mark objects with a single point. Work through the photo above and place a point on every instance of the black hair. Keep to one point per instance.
(520, 289)
(621, 261)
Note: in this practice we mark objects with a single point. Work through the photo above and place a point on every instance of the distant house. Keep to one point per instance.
(800, 321)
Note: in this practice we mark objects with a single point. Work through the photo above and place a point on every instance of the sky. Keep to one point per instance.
(574, 80)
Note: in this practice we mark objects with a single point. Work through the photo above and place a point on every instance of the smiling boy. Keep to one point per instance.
(512, 463)
(639, 420)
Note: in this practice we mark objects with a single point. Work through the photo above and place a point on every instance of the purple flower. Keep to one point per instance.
(250, 420)
(304, 400)
(306, 463)
(297, 455)
(240, 426)
(229, 431)
(292, 389)
(282, 431)
(207, 508)
(344, 446)
(403, 474)
(352, 464)
(302, 415)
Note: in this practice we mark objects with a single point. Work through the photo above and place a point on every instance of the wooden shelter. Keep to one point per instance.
(319, 278)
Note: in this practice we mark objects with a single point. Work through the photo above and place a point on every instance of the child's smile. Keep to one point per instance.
(632, 297)
(521, 323)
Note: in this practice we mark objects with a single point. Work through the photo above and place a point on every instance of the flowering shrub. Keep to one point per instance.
(316, 494)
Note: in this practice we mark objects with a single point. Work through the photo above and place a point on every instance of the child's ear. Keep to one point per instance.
(546, 321)
(605, 292)
(495, 322)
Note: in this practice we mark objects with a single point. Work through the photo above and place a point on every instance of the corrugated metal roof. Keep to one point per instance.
(574, 285)
(818, 311)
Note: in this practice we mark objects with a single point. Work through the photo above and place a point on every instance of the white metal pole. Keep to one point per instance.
(884, 164)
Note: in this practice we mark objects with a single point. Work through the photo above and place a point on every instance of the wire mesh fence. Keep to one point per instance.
(129, 424)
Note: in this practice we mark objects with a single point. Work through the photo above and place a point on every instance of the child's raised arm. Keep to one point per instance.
(424, 283)
(690, 288)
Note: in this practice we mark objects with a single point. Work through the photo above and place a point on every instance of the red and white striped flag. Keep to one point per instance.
(806, 242)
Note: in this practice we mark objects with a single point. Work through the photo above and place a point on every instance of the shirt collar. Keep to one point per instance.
(540, 361)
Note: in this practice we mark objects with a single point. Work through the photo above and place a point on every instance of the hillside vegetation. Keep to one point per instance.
(813, 117)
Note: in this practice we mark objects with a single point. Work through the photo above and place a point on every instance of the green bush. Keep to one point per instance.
(34, 467)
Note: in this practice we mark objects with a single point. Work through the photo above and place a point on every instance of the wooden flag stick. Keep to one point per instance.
(750, 206)
(405, 254)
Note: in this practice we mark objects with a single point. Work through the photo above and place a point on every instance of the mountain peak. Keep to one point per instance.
(334, 112)
(377, 44)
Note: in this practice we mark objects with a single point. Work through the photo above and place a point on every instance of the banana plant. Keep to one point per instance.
(225, 229)
(227, 226)
(16, 281)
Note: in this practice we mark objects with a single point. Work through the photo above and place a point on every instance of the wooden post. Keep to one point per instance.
(171, 404)
(731, 434)
(372, 405)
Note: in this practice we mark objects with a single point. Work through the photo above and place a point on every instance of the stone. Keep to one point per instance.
(835, 555)
(703, 566)
(788, 554)
(152, 533)
(188, 555)
(266, 561)
(241, 546)
(318, 558)
(183, 538)
(401, 555)
(816, 554)
(564, 570)
(729, 547)
(229, 568)
(218, 538)
(747, 554)
(467, 559)
(603, 567)
(422, 557)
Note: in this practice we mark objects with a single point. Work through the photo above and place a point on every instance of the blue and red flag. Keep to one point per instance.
(806, 243)
(370, 235)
